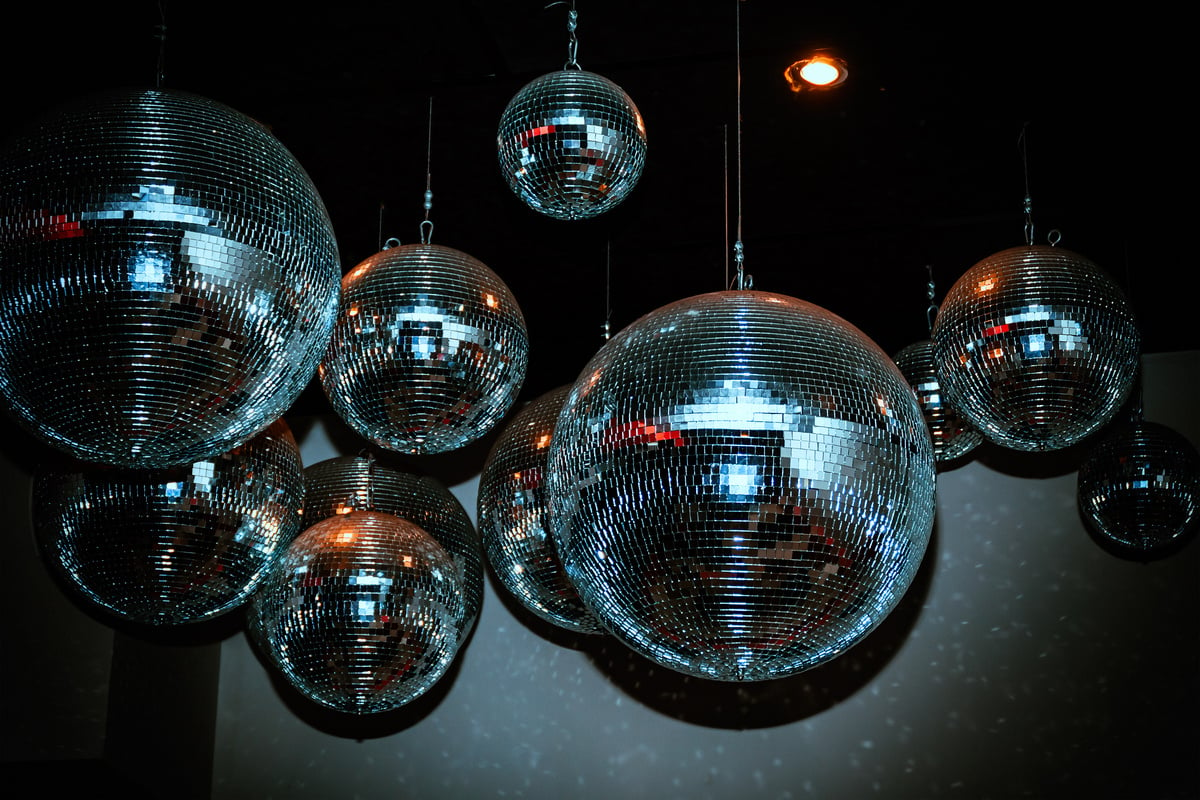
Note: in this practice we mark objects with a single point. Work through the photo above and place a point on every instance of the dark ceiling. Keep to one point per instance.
(847, 194)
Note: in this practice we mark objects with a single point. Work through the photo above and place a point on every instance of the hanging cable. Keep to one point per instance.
(725, 152)
(381, 247)
(1023, 143)
(608, 291)
(161, 34)
(742, 280)
(370, 481)
(427, 223)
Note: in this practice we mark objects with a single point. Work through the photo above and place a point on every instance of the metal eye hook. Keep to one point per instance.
(426, 231)
(390, 243)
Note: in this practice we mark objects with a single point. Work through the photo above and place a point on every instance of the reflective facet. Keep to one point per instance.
(173, 545)
(429, 350)
(741, 485)
(339, 485)
(1139, 488)
(168, 278)
(363, 612)
(572, 144)
(953, 437)
(514, 512)
(1036, 347)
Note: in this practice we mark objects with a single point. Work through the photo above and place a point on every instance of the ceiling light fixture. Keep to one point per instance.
(818, 71)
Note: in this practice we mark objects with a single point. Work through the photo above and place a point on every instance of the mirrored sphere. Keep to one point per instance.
(1036, 347)
(337, 486)
(363, 612)
(572, 144)
(952, 436)
(514, 517)
(1139, 488)
(741, 485)
(172, 545)
(168, 278)
(429, 350)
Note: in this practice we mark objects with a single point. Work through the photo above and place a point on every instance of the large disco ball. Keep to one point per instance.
(572, 144)
(1139, 489)
(514, 511)
(953, 437)
(340, 485)
(168, 278)
(741, 485)
(363, 612)
(172, 545)
(429, 350)
(1036, 347)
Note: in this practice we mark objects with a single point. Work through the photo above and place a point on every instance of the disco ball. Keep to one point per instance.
(741, 485)
(429, 350)
(514, 518)
(363, 613)
(572, 144)
(173, 545)
(1139, 488)
(340, 485)
(953, 437)
(168, 278)
(1036, 347)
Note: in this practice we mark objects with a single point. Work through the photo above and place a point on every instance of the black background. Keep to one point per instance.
(847, 194)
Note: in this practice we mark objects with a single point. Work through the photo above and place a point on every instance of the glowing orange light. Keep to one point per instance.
(343, 509)
(816, 72)
(986, 285)
(820, 72)
(491, 300)
(997, 353)
(352, 311)
(543, 441)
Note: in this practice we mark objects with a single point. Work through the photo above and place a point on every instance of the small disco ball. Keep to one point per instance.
(363, 613)
(572, 144)
(338, 486)
(168, 278)
(514, 518)
(174, 545)
(953, 437)
(1139, 489)
(741, 485)
(1036, 347)
(429, 349)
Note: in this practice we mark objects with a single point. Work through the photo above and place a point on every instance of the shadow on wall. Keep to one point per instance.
(715, 704)
(366, 726)
(757, 704)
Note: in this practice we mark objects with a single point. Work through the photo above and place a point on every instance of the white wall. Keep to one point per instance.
(1026, 661)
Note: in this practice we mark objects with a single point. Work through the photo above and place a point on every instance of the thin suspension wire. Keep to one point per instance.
(370, 481)
(725, 152)
(427, 224)
(738, 249)
(608, 290)
(161, 35)
(381, 225)
(1023, 143)
(1140, 398)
